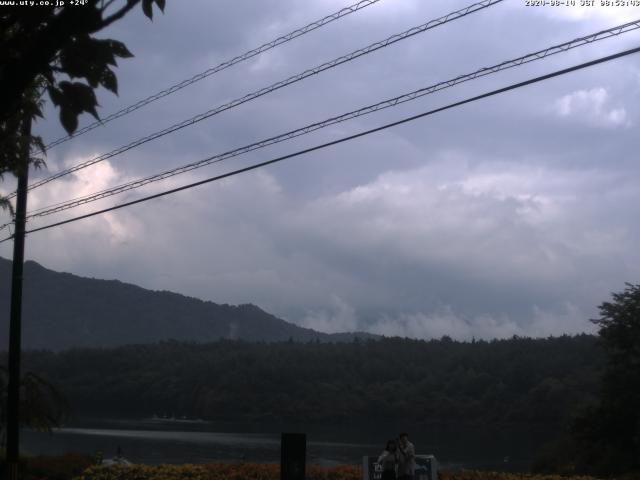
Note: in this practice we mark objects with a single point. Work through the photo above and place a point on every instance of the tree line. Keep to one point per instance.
(520, 380)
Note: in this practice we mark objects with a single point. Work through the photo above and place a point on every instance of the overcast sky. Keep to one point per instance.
(514, 215)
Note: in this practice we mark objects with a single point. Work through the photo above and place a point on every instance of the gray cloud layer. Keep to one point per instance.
(514, 215)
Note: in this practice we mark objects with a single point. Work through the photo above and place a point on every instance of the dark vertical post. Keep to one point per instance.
(293, 455)
(15, 325)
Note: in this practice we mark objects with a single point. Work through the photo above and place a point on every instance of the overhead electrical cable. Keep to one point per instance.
(276, 86)
(218, 68)
(392, 102)
(514, 86)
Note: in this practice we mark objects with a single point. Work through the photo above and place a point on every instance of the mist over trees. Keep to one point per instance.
(62, 310)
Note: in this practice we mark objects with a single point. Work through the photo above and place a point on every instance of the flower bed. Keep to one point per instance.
(252, 471)
(474, 475)
(217, 471)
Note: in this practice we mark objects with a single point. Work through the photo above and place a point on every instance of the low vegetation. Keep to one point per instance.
(272, 472)
(59, 467)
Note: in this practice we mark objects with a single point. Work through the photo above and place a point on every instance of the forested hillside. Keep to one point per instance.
(61, 310)
(510, 381)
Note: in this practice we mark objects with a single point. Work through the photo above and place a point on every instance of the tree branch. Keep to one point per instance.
(120, 13)
(104, 7)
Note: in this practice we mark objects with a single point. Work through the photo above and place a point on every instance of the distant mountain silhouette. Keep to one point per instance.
(61, 311)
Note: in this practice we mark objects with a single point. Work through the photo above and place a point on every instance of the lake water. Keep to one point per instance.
(155, 441)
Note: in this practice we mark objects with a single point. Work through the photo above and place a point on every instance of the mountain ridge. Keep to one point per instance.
(62, 310)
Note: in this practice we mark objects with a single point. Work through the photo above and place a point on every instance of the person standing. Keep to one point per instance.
(406, 458)
(389, 461)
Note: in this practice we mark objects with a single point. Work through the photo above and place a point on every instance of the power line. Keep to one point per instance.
(392, 102)
(276, 86)
(344, 139)
(218, 68)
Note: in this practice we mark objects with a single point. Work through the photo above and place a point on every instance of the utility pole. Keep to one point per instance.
(15, 325)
